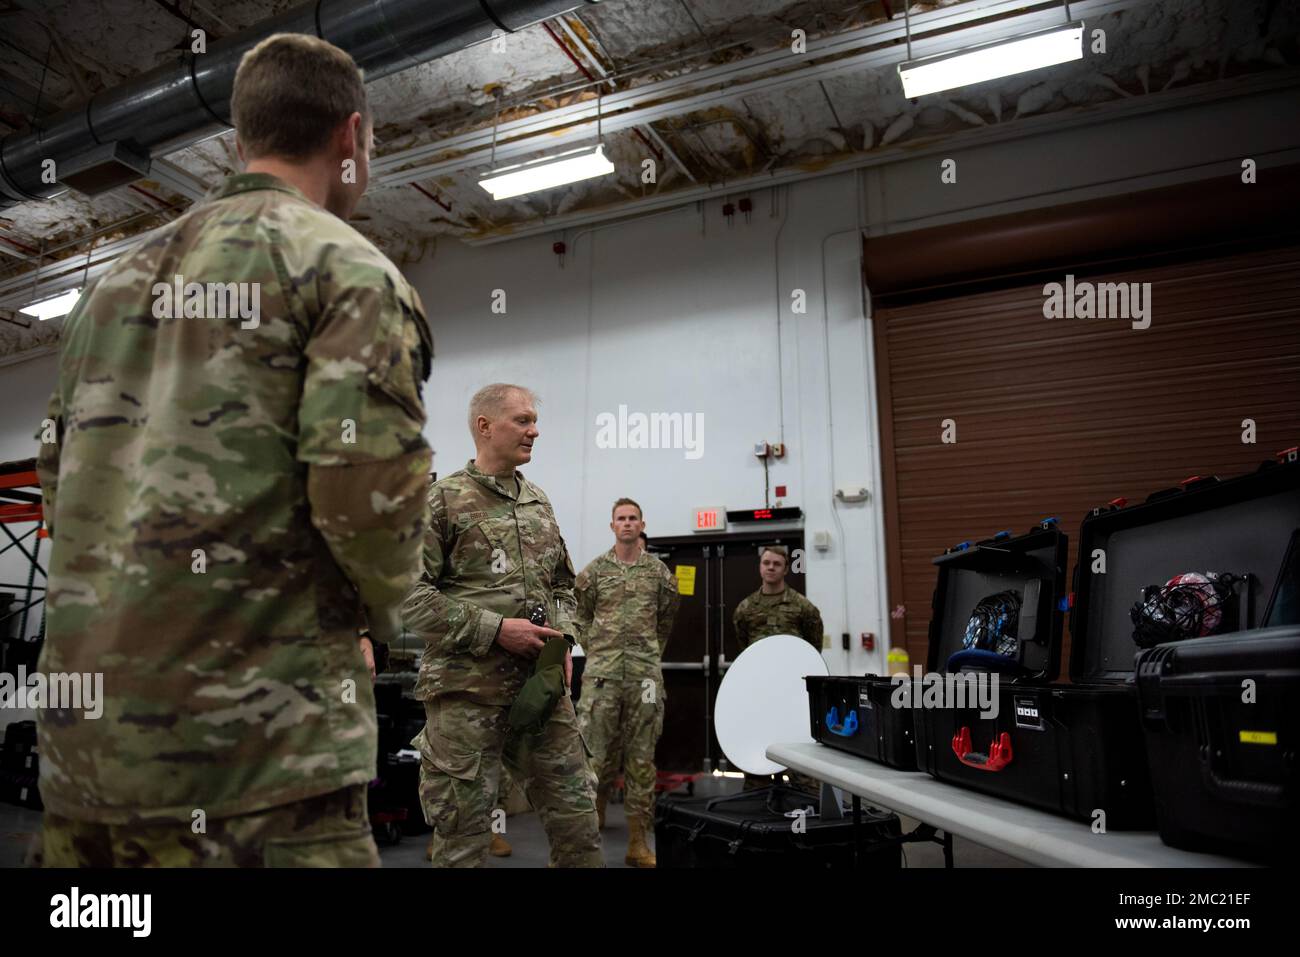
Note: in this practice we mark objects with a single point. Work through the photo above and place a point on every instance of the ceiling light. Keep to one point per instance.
(988, 61)
(60, 305)
(547, 173)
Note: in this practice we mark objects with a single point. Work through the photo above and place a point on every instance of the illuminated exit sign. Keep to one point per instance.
(711, 519)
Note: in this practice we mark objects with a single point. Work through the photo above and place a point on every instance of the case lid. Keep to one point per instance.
(1031, 565)
(1243, 526)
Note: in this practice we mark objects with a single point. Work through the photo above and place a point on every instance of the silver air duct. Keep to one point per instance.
(111, 140)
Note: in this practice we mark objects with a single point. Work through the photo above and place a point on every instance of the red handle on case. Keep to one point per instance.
(999, 755)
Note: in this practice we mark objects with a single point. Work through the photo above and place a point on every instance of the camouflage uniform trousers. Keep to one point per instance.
(464, 747)
(622, 729)
(332, 830)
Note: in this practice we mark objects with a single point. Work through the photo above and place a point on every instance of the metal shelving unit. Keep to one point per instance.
(20, 504)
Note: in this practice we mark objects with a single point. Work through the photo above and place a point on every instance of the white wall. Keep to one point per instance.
(678, 312)
(25, 389)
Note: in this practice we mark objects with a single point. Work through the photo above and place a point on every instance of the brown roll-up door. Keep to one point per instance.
(1055, 416)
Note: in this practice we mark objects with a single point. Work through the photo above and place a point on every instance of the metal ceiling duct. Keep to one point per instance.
(102, 141)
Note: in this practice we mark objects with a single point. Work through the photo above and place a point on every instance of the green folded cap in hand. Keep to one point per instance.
(537, 699)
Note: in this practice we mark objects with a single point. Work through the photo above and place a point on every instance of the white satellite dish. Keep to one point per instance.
(763, 700)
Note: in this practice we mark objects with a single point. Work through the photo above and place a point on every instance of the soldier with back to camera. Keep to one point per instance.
(236, 485)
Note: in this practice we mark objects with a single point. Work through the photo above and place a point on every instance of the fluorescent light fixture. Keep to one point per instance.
(548, 172)
(60, 305)
(988, 61)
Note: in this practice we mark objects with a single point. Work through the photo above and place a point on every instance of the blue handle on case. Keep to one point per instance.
(846, 730)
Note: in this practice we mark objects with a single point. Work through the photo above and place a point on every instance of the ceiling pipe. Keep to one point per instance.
(112, 139)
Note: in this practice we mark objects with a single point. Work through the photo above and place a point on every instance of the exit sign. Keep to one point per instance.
(711, 519)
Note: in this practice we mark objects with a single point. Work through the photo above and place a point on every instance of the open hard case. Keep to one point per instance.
(872, 716)
(1068, 748)
(1221, 713)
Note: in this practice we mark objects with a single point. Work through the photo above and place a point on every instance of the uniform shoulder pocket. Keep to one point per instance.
(403, 352)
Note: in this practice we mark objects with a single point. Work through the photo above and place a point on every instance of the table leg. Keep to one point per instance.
(947, 849)
(857, 832)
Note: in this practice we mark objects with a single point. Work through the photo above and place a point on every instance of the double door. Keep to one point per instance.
(717, 572)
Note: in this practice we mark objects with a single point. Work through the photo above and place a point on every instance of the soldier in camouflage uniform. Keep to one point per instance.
(493, 550)
(627, 599)
(776, 609)
(230, 498)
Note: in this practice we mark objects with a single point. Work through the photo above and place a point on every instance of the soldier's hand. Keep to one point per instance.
(519, 636)
(368, 652)
(568, 668)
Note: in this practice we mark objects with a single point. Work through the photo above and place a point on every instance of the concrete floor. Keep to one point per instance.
(524, 833)
(527, 839)
(17, 827)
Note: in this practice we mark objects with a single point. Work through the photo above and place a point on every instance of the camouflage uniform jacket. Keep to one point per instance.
(785, 613)
(625, 615)
(489, 554)
(225, 496)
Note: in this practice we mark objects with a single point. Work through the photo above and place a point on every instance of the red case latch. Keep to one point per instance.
(999, 755)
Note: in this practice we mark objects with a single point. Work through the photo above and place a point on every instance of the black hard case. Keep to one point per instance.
(885, 730)
(21, 788)
(1068, 748)
(20, 738)
(750, 830)
(1224, 770)
(883, 733)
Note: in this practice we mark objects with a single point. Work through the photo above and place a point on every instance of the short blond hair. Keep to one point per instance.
(778, 549)
(291, 92)
(488, 401)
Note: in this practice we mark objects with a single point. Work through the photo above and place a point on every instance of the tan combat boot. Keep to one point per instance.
(500, 848)
(600, 809)
(638, 852)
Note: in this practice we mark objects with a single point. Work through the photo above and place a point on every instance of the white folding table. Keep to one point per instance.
(1024, 833)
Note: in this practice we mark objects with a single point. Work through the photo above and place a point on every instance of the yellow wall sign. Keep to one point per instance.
(686, 579)
(1258, 737)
